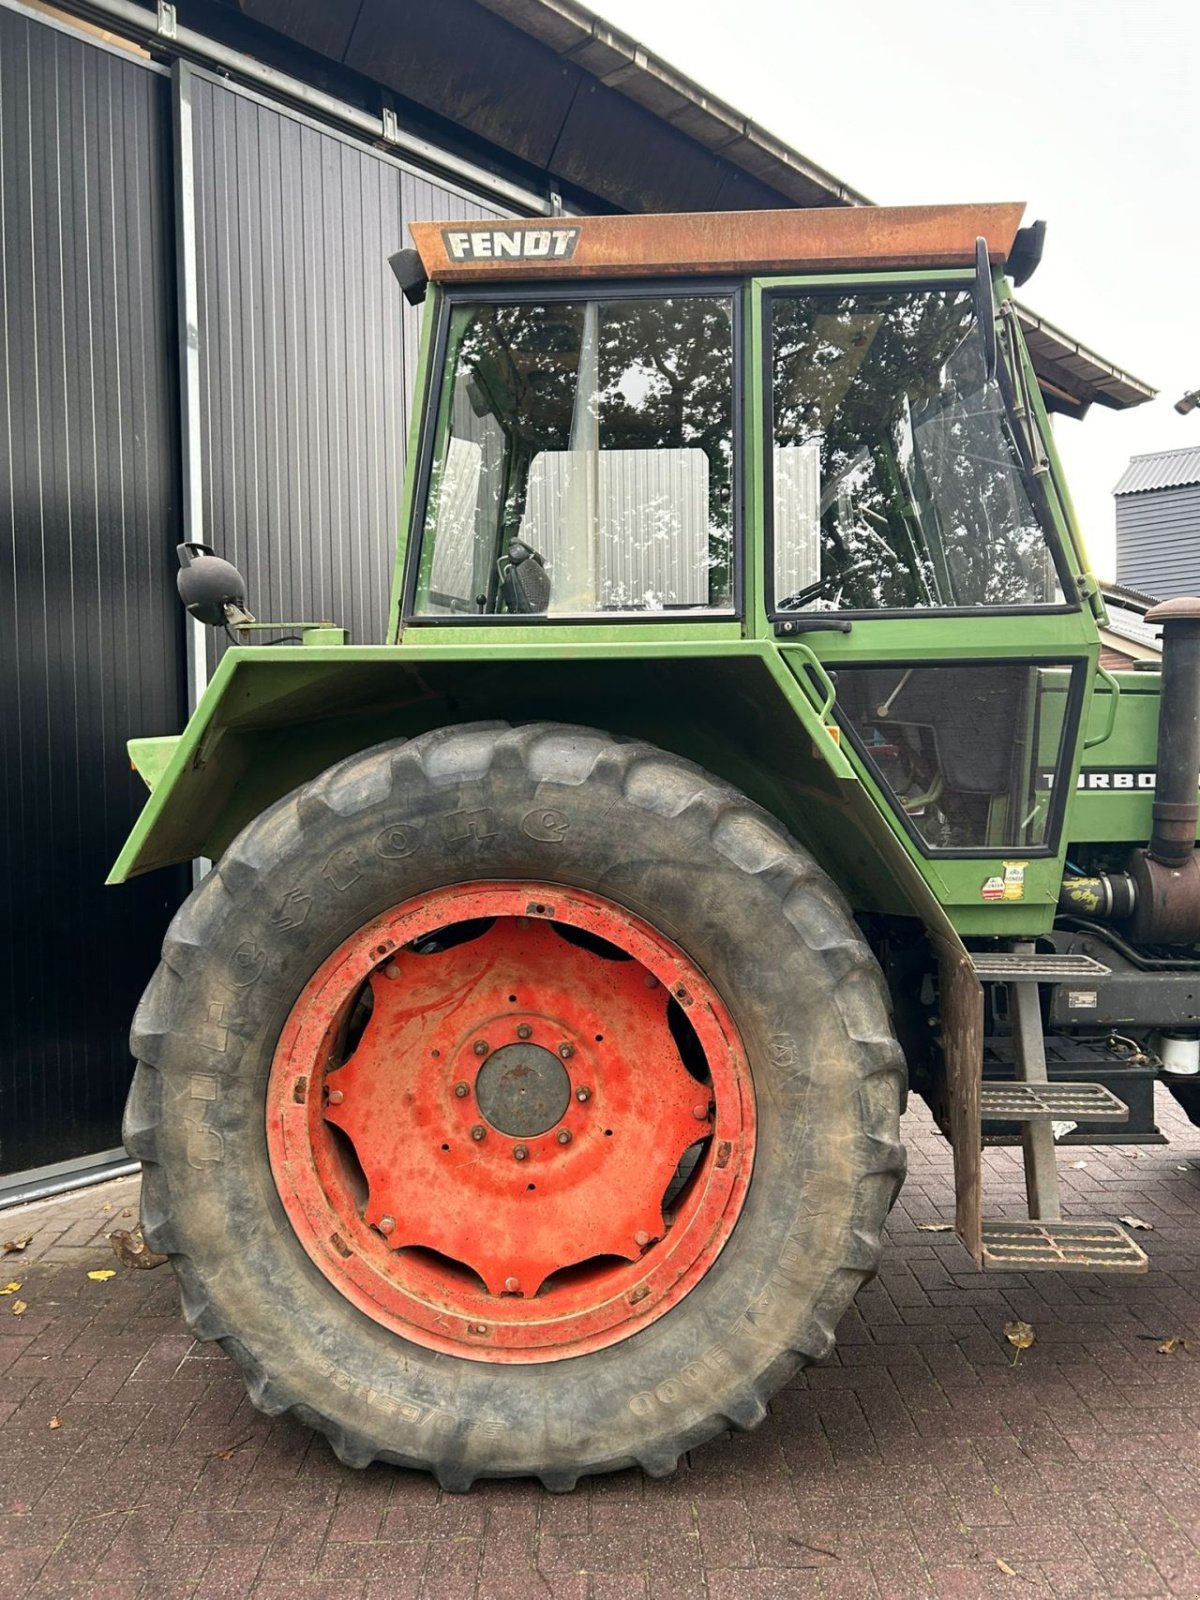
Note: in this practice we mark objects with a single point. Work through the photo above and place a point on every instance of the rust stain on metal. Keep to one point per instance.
(962, 1026)
(832, 237)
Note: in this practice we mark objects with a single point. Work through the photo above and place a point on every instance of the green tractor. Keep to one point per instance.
(520, 1092)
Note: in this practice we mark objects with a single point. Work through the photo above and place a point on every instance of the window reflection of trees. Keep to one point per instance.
(655, 376)
(922, 502)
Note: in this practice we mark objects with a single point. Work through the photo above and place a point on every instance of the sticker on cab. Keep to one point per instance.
(1010, 885)
(1014, 880)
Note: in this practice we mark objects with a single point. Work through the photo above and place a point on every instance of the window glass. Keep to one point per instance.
(896, 481)
(585, 459)
(965, 752)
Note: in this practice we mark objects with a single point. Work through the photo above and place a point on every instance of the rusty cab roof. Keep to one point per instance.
(827, 238)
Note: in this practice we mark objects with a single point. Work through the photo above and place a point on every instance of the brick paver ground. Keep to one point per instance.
(912, 1463)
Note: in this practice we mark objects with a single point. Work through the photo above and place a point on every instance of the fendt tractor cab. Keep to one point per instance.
(520, 1091)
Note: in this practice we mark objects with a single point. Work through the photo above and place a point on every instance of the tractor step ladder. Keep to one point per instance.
(1046, 1240)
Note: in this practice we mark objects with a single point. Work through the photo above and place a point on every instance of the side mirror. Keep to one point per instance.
(1026, 253)
(212, 590)
(410, 275)
(985, 307)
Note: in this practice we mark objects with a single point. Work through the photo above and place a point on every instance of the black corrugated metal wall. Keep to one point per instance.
(90, 636)
(306, 356)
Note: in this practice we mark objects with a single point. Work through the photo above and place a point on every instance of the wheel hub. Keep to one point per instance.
(523, 1089)
(511, 1121)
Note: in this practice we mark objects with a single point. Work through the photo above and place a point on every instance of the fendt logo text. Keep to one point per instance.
(512, 244)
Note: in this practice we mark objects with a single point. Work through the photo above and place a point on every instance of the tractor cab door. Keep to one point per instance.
(916, 545)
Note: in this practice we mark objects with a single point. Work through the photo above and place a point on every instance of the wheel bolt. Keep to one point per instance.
(524, 1031)
(583, 1095)
(566, 1051)
(387, 1225)
(481, 1047)
(641, 1238)
(478, 1327)
(700, 1112)
(519, 1152)
(461, 1090)
(564, 1136)
(336, 1096)
(512, 1285)
(478, 1132)
(392, 971)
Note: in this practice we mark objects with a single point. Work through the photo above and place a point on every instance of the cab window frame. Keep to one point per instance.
(733, 290)
(785, 623)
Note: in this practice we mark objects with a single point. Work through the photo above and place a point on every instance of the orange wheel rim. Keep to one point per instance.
(511, 1121)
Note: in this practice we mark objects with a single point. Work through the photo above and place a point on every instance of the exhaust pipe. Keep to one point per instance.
(1166, 874)
(1173, 837)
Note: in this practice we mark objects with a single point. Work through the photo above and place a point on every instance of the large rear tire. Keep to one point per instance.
(310, 1084)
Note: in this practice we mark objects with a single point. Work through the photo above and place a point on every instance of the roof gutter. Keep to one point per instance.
(620, 62)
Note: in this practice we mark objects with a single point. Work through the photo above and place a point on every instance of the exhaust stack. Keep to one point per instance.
(1173, 837)
(1166, 875)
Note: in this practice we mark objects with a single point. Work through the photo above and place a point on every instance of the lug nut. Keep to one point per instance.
(641, 1238)
(564, 1136)
(387, 1225)
(519, 1152)
(481, 1047)
(583, 1095)
(392, 971)
(461, 1090)
(566, 1051)
(478, 1132)
(700, 1112)
(336, 1096)
(512, 1285)
(478, 1327)
(524, 1031)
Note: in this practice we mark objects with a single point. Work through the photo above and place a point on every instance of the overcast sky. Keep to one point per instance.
(1088, 110)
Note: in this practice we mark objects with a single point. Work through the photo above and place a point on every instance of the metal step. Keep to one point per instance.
(1061, 1247)
(1009, 966)
(1065, 1102)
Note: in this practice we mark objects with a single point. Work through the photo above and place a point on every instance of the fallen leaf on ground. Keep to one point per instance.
(1077, 1165)
(1020, 1335)
(11, 1246)
(127, 1212)
(1136, 1222)
(9, 1288)
(1009, 1572)
(99, 1277)
(231, 1450)
(56, 1422)
(19, 1308)
(1168, 1346)
(131, 1249)
(935, 1227)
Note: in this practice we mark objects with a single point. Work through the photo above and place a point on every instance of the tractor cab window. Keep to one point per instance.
(966, 753)
(584, 461)
(896, 479)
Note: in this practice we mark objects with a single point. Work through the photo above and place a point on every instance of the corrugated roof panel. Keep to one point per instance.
(1164, 469)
